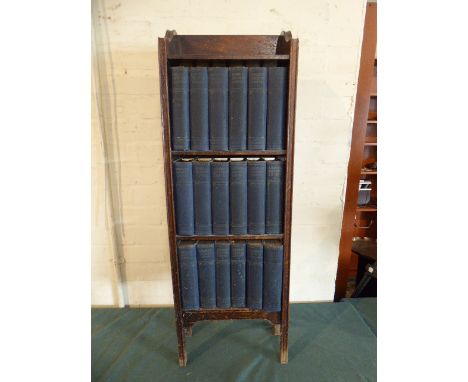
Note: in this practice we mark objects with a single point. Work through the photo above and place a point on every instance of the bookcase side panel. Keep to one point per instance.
(288, 198)
(165, 120)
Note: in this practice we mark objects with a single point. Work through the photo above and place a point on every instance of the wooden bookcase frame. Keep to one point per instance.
(173, 48)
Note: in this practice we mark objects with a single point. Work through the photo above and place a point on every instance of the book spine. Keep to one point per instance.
(183, 191)
(256, 178)
(220, 197)
(238, 264)
(223, 274)
(272, 276)
(275, 197)
(277, 96)
(257, 109)
(180, 108)
(188, 275)
(202, 197)
(199, 133)
(238, 108)
(238, 197)
(206, 274)
(255, 275)
(218, 108)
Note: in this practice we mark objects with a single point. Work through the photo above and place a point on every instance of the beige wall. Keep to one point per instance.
(129, 232)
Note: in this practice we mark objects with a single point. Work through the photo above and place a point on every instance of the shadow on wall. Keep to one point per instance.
(108, 128)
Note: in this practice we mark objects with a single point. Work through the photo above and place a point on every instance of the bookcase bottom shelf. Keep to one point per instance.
(192, 316)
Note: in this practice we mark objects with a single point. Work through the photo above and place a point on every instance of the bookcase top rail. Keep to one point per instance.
(230, 314)
(231, 237)
(227, 47)
(228, 154)
(226, 57)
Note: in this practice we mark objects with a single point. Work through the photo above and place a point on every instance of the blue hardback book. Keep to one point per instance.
(218, 108)
(275, 196)
(223, 274)
(255, 275)
(238, 196)
(277, 98)
(256, 180)
(272, 276)
(188, 275)
(257, 108)
(202, 197)
(238, 271)
(183, 197)
(220, 197)
(238, 84)
(199, 132)
(206, 274)
(180, 108)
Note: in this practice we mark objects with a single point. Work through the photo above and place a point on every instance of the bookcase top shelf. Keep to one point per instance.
(231, 237)
(228, 154)
(227, 57)
(224, 47)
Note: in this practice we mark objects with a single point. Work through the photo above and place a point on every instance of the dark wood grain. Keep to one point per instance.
(365, 87)
(288, 190)
(192, 316)
(220, 47)
(228, 154)
(166, 131)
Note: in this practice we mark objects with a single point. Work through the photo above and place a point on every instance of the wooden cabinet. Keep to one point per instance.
(360, 221)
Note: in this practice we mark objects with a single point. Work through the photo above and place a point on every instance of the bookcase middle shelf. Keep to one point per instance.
(229, 154)
(231, 237)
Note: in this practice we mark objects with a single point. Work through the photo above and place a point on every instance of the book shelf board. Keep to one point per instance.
(231, 237)
(284, 49)
(228, 154)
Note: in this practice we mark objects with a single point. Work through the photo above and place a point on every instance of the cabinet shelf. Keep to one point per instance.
(364, 172)
(229, 154)
(368, 208)
(370, 141)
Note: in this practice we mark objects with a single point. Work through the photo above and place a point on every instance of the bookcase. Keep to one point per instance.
(360, 219)
(226, 51)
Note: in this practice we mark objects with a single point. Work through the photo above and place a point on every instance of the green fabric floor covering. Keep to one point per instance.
(327, 342)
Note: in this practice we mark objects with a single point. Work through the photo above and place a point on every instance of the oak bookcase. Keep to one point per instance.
(191, 50)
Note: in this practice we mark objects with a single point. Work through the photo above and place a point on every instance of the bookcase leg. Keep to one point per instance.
(276, 329)
(183, 359)
(284, 346)
(181, 341)
(188, 330)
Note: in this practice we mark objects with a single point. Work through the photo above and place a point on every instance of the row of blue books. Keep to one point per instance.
(222, 197)
(225, 274)
(228, 109)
